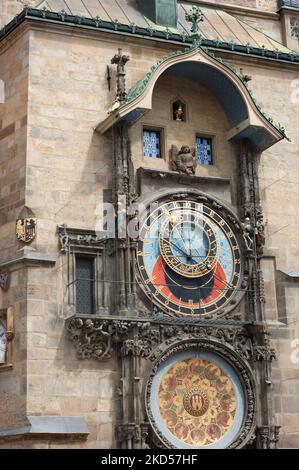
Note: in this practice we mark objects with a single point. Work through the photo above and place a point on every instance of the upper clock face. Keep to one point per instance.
(189, 258)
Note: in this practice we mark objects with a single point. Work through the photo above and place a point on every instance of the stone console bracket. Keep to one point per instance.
(177, 178)
(97, 337)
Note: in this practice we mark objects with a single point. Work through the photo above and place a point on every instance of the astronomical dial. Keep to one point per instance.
(188, 244)
(188, 258)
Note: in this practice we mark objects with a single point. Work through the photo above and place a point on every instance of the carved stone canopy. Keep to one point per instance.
(73, 237)
(246, 117)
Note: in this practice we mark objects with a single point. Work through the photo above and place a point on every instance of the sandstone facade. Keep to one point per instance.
(53, 162)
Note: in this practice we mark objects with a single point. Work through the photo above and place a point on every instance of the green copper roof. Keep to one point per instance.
(217, 25)
(141, 85)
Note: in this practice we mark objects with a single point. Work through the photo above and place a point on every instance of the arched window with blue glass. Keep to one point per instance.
(204, 150)
(152, 143)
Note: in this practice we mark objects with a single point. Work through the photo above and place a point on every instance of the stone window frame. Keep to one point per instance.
(214, 138)
(94, 281)
(7, 319)
(95, 255)
(155, 128)
(84, 243)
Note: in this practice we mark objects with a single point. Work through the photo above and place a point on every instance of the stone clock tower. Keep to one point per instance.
(193, 348)
(140, 252)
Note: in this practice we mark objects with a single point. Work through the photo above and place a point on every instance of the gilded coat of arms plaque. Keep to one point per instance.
(26, 229)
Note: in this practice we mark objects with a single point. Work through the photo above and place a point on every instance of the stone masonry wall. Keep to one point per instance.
(68, 96)
(13, 139)
(274, 88)
(69, 167)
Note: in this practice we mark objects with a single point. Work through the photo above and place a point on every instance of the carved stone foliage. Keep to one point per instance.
(194, 17)
(262, 350)
(245, 375)
(120, 61)
(69, 237)
(92, 338)
(264, 353)
(236, 337)
(95, 338)
(132, 435)
(5, 280)
(267, 437)
(294, 22)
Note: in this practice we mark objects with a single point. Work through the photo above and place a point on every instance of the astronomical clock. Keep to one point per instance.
(189, 259)
(184, 312)
(191, 268)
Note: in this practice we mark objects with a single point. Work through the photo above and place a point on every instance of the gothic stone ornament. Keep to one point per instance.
(26, 229)
(294, 23)
(91, 338)
(120, 60)
(201, 395)
(189, 258)
(5, 280)
(194, 18)
(132, 435)
(69, 237)
(183, 161)
(268, 437)
(95, 338)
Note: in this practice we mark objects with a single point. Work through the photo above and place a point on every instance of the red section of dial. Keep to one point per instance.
(219, 283)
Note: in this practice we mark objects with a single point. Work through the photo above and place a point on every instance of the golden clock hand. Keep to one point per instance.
(178, 248)
(199, 255)
(222, 280)
(175, 227)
